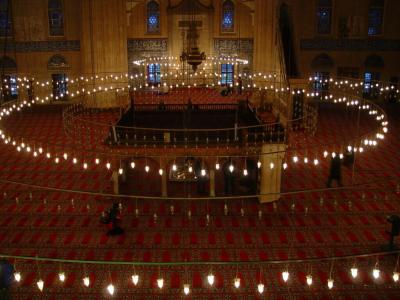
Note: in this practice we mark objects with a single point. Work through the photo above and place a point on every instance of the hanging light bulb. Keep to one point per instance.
(203, 172)
(65, 155)
(260, 288)
(330, 283)
(61, 276)
(86, 281)
(40, 150)
(85, 166)
(186, 289)
(97, 161)
(190, 169)
(35, 153)
(316, 162)
(376, 272)
(333, 154)
(325, 153)
(147, 169)
(111, 289)
(396, 276)
(135, 279)
(231, 168)
(354, 272)
(108, 166)
(160, 283)
(295, 159)
(174, 168)
(245, 173)
(211, 279)
(48, 155)
(160, 171)
(17, 276)
(259, 164)
(40, 284)
(120, 171)
(271, 165)
(56, 160)
(217, 165)
(285, 276)
(74, 160)
(236, 282)
(309, 279)
(132, 164)
(285, 166)
(305, 160)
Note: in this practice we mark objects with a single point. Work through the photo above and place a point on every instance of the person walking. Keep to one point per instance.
(335, 172)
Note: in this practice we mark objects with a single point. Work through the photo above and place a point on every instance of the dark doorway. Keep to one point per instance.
(60, 86)
(286, 29)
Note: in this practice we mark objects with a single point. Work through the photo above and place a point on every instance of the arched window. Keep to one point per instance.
(228, 16)
(153, 17)
(5, 18)
(324, 16)
(56, 18)
(375, 17)
(57, 61)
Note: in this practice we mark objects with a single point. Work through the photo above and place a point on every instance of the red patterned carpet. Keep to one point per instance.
(307, 225)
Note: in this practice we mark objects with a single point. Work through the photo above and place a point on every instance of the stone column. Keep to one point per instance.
(115, 180)
(270, 180)
(104, 44)
(164, 179)
(212, 183)
(265, 28)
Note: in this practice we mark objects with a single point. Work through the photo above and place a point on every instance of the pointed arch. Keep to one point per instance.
(57, 61)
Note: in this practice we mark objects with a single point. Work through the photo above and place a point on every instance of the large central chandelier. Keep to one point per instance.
(192, 54)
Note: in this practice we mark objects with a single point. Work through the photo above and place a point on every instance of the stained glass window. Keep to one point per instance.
(154, 74)
(324, 16)
(228, 14)
(375, 18)
(153, 17)
(227, 74)
(56, 18)
(5, 18)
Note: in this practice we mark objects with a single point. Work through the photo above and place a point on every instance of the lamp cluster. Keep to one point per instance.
(211, 279)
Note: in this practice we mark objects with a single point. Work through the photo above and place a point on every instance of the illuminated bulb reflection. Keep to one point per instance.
(309, 279)
(210, 279)
(61, 276)
(160, 283)
(40, 284)
(396, 276)
(186, 289)
(376, 273)
(330, 283)
(231, 168)
(260, 288)
(147, 169)
(236, 282)
(86, 281)
(354, 272)
(111, 289)
(132, 164)
(17, 276)
(135, 279)
(285, 276)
